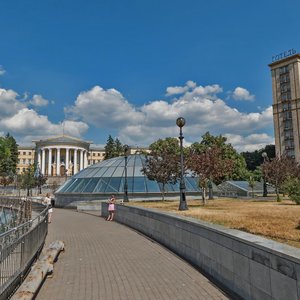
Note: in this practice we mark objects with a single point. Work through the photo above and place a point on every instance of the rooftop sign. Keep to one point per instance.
(283, 55)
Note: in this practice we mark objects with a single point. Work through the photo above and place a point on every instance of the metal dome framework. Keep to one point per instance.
(107, 177)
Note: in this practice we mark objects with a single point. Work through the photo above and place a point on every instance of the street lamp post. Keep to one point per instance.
(125, 197)
(180, 122)
(265, 189)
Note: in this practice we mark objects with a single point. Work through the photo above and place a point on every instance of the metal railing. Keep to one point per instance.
(19, 248)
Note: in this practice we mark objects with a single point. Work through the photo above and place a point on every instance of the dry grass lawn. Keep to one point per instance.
(279, 221)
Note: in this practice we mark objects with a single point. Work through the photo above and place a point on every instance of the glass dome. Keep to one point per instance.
(108, 177)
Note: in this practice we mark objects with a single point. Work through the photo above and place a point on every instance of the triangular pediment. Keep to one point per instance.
(62, 140)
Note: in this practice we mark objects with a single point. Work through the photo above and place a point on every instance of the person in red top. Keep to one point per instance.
(111, 208)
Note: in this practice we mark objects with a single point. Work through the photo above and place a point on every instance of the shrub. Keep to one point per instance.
(292, 188)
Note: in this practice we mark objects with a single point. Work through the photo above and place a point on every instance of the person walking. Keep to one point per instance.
(111, 208)
(47, 201)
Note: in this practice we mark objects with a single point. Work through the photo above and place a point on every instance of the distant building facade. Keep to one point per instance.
(60, 156)
(286, 105)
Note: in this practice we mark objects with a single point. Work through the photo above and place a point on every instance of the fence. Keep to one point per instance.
(19, 247)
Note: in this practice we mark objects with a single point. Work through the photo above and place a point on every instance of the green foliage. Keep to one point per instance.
(163, 168)
(252, 178)
(8, 159)
(255, 158)
(163, 164)
(292, 187)
(238, 170)
(276, 171)
(113, 148)
(168, 145)
(28, 181)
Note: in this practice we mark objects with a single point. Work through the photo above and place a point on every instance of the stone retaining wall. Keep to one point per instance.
(249, 266)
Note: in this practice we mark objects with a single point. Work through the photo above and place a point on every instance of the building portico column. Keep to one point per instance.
(67, 160)
(43, 161)
(49, 161)
(58, 162)
(81, 160)
(75, 161)
(39, 158)
(85, 162)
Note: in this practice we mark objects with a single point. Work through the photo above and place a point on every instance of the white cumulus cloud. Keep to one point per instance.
(38, 100)
(242, 94)
(104, 108)
(2, 71)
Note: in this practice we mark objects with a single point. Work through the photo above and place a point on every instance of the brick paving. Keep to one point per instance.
(106, 260)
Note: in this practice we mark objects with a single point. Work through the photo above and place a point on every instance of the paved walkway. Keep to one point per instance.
(106, 260)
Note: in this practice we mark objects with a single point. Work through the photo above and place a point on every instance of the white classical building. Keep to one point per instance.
(61, 156)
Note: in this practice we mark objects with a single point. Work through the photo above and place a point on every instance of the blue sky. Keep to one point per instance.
(130, 68)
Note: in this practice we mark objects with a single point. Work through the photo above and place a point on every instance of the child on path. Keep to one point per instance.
(111, 208)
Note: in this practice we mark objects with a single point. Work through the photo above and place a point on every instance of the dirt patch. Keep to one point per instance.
(275, 220)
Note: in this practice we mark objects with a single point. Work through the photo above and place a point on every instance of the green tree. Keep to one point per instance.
(119, 150)
(238, 171)
(209, 165)
(277, 170)
(252, 178)
(162, 167)
(113, 148)
(255, 158)
(292, 187)
(168, 145)
(162, 164)
(8, 159)
(13, 147)
(109, 148)
(28, 181)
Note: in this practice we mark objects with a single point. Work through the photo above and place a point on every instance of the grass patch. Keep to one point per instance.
(279, 221)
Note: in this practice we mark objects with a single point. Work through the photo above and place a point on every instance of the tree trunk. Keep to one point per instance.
(203, 196)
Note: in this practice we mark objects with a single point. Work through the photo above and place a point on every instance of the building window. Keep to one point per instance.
(285, 88)
(29, 161)
(284, 78)
(98, 154)
(286, 106)
(283, 70)
(29, 153)
(93, 154)
(24, 161)
(24, 153)
(286, 96)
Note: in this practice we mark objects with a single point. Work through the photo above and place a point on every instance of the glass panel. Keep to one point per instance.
(100, 188)
(65, 185)
(85, 173)
(91, 185)
(114, 185)
(192, 183)
(139, 184)
(188, 186)
(152, 186)
(80, 185)
(71, 186)
(129, 171)
(101, 172)
(130, 184)
(110, 171)
(119, 171)
(95, 170)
